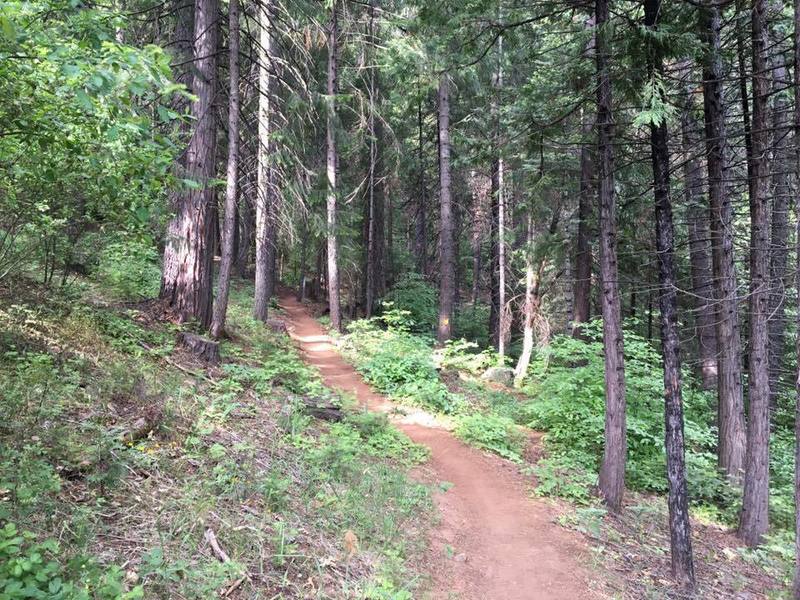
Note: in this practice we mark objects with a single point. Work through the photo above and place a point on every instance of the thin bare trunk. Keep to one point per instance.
(796, 70)
(732, 442)
(333, 262)
(446, 250)
(755, 519)
(699, 248)
(264, 191)
(229, 228)
(612, 471)
(583, 254)
(678, 500)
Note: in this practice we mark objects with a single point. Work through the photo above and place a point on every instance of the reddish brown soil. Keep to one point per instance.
(493, 541)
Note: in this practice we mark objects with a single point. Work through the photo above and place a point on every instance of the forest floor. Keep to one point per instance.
(493, 540)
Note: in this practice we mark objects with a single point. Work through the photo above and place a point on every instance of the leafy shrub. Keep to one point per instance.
(567, 384)
(415, 295)
(492, 432)
(398, 363)
(462, 355)
(565, 476)
(31, 570)
(129, 269)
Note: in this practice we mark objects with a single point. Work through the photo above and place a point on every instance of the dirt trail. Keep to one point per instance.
(504, 543)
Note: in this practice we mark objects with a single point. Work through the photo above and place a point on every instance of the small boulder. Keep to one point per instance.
(501, 375)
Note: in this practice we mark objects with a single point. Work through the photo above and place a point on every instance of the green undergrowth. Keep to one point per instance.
(563, 397)
(118, 454)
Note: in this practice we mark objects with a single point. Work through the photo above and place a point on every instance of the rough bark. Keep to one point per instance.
(612, 471)
(754, 521)
(232, 174)
(581, 303)
(446, 250)
(375, 271)
(265, 191)
(330, 203)
(186, 276)
(420, 226)
(699, 248)
(731, 446)
(531, 296)
(796, 72)
(678, 500)
(779, 250)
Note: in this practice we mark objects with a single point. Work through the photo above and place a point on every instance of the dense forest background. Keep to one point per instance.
(594, 203)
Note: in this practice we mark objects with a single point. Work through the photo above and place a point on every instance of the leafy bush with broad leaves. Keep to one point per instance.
(566, 383)
(492, 432)
(398, 362)
(32, 570)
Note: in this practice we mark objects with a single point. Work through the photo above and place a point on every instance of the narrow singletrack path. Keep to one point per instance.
(493, 541)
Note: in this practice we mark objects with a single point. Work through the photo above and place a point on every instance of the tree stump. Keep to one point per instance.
(203, 348)
(276, 325)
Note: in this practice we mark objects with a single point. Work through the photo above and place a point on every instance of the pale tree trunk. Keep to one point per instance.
(699, 247)
(504, 326)
(447, 270)
(535, 324)
(264, 194)
(186, 278)
(229, 227)
(796, 587)
(731, 446)
(755, 520)
(612, 471)
(494, 257)
(333, 261)
(779, 250)
(678, 500)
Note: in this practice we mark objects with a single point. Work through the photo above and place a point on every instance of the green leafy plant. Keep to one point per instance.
(494, 433)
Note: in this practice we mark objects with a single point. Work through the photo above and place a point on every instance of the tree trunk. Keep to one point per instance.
(741, 36)
(530, 306)
(754, 521)
(375, 278)
(264, 195)
(494, 259)
(333, 262)
(796, 71)
(446, 250)
(612, 471)
(582, 289)
(420, 227)
(678, 500)
(779, 250)
(476, 237)
(229, 228)
(699, 250)
(731, 445)
(504, 327)
(186, 278)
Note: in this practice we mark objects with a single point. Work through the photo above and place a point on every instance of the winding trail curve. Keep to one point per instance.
(505, 545)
